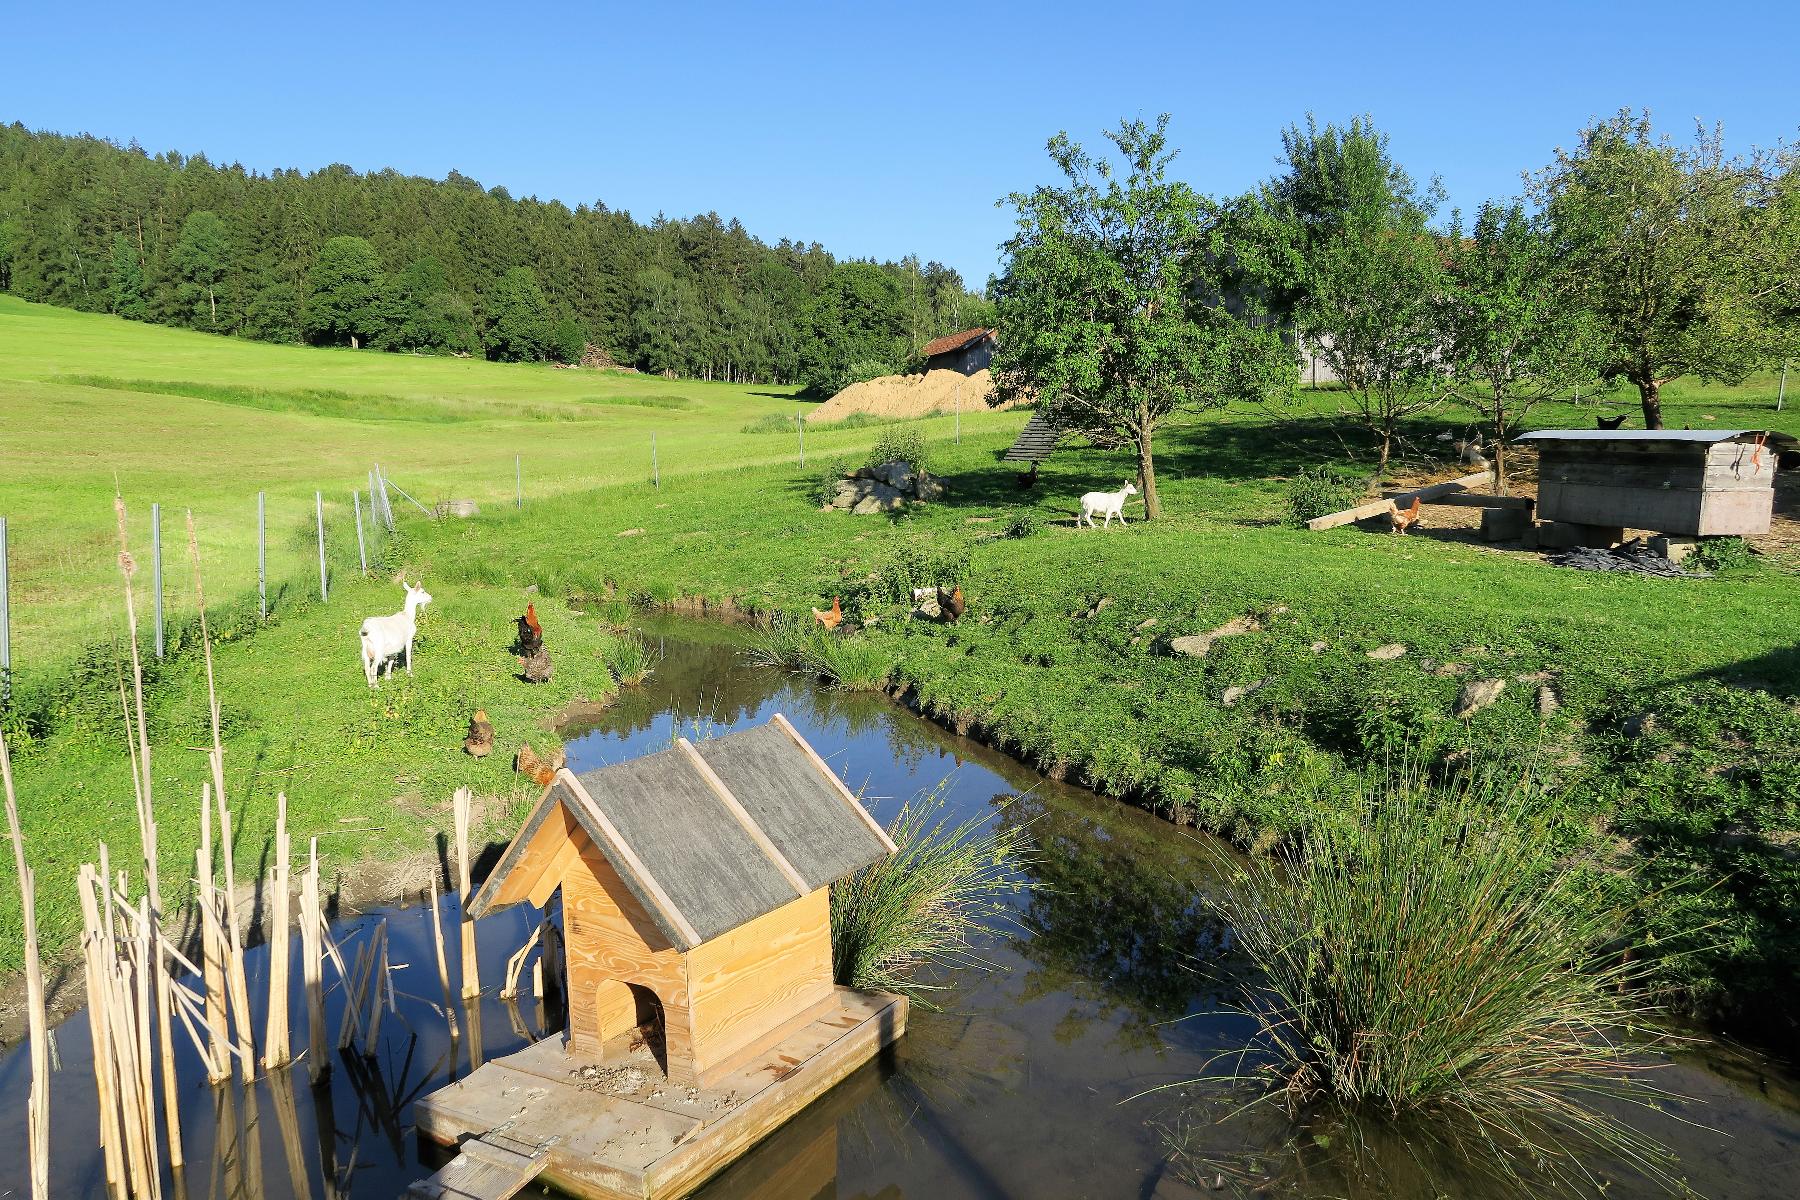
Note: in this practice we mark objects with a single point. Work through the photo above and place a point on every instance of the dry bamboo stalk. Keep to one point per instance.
(100, 1034)
(148, 961)
(275, 1038)
(38, 1106)
(471, 968)
(212, 946)
(345, 977)
(437, 942)
(312, 968)
(353, 998)
(238, 988)
(515, 964)
(287, 1120)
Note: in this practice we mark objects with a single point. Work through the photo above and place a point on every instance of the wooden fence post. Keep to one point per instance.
(362, 553)
(262, 557)
(800, 424)
(156, 571)
(319, 518)
(1781, 396)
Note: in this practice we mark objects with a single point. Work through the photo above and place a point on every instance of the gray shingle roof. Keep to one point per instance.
(1648, 435)
(703, 854)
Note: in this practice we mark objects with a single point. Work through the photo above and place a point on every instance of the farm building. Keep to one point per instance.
(1685, 482)
(967, 352)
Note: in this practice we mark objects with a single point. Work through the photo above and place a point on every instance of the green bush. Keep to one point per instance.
(1317, 491)
(871, 368)
(1720, 554)
(847, 662)
(772, 423)
(1023, 523)
(902, 444)
(915, 562)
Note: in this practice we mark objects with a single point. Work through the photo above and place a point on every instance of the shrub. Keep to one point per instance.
(901, 444)
(1023, 523)
(1435, 956)
(1316, 491)
(825, 483)
(1720, 554)
(870, 368)
(916, 562)
(846, 662)
(916, 911)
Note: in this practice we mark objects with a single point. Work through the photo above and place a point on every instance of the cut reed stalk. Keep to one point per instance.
(437, 944)
(112, 1139)
(463, 805)
(276, 1052)
(37, 1022)
(517, 963)
(212, 945)
(312, 967)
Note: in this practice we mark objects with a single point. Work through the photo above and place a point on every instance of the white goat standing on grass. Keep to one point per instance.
(386, 638)
(1111, 504)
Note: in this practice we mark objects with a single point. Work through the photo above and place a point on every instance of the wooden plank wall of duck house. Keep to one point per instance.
(695, 892)
(1688, 482)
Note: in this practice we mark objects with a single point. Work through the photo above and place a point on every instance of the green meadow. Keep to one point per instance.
(1673, 745)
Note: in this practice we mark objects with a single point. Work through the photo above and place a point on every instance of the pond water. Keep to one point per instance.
(1038, 1078)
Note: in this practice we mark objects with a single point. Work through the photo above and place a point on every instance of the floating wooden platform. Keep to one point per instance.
(614, 1127)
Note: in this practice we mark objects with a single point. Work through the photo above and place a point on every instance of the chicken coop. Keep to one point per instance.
(1683, 482)
(695, 891)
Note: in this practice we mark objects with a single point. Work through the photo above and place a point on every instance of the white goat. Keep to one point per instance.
(1110, 504)
(386, 638)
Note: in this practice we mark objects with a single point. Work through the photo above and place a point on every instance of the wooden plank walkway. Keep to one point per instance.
(491, 1167)
(1035, 441)
(1375, 508)
(613, 1127)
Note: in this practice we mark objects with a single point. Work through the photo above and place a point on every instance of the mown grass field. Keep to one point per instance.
(1697, 808)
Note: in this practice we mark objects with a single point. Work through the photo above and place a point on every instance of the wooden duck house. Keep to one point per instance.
(695, 888)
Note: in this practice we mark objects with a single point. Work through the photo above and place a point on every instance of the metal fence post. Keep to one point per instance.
(801, 426)
(156, 571)
(655, 472)
(362, 554)
(319, 517)
(262, 557)
(518, 482)
(1781, 396)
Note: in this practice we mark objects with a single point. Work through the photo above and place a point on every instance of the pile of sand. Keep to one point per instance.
(909, 396)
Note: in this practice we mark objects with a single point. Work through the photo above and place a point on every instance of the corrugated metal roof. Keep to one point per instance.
(1650, 435)
(711, 837)
(954, 341)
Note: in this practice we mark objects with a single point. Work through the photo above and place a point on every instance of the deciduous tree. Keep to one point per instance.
(1681, 252)
(341, 294)
(201, 259)
(518, 318)
(1108, 307)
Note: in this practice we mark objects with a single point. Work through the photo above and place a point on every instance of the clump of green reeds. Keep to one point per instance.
(897, 924)
(630, 659)
(1438, 958)
(849, 662)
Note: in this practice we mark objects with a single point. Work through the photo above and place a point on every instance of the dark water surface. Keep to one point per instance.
(1103, 984)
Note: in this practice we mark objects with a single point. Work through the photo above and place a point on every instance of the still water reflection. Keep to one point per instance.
(1038, 1079)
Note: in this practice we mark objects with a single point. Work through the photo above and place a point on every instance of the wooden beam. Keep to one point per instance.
(1375, 508)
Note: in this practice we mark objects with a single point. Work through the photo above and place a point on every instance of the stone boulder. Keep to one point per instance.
(1476, 695)
(884, 488)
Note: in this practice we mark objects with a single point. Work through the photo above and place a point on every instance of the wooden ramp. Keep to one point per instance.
(613, 1127)
(1035, 441)
(491, 1167)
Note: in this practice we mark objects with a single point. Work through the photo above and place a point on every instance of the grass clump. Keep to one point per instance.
(1432, 957)
(1317, 491)
(1023, 523)
(849, 662)
(772, 423)
(629, 657)
(899, 922)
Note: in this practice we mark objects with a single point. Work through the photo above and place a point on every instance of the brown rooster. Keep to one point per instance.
(951, 605)
(539, 770)
(1404, 518)
(1027, 479)
(531, 634)
(480, 740)
(1610, 422)
(832, 617)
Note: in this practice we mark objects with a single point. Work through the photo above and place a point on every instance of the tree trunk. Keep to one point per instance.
(1650, 393)
(1499, 451)
(1147, 479)
(213, 304)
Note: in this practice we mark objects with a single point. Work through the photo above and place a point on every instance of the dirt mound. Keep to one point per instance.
(909, 396)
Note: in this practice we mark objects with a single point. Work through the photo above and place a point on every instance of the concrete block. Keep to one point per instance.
(1675, 549)
(1504, 524)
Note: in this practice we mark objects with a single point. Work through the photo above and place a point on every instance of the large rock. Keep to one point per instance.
(1198, 645)
(1476, 695)
(896, 474)
(1387, 653)
(458, 508)
(881, 498)
(930, 488)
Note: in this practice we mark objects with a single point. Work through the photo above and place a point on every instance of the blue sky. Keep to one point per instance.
(878, 129)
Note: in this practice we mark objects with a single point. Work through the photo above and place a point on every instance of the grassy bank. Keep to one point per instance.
(1673, 750)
